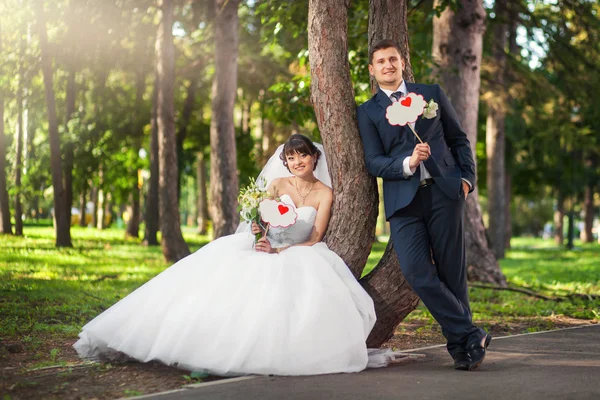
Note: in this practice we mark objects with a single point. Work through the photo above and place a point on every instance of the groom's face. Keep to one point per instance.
(386, 66)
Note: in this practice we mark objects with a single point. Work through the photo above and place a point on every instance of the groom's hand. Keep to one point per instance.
(420, 153)
(466, 188)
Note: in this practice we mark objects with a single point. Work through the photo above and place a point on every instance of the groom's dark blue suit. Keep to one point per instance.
(426, 221)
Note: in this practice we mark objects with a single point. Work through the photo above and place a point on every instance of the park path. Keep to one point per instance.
(561, 364)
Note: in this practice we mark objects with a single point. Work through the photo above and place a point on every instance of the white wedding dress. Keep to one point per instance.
(229, 310)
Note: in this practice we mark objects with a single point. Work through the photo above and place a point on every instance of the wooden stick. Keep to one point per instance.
(411, 128)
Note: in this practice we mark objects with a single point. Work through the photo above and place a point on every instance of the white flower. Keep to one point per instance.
(430, 110)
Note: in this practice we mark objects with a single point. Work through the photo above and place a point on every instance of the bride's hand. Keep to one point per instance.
(256, 229)
(264, 245)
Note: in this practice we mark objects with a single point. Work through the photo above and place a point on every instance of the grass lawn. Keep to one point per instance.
(48, 294)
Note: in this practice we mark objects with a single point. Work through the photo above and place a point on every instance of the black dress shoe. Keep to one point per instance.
(462, 360)
(477, 352)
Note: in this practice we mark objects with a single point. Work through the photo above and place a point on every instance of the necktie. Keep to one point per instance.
(396, 96)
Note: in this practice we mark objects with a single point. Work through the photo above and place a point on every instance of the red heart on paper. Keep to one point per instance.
(406, 102)
(283, 209)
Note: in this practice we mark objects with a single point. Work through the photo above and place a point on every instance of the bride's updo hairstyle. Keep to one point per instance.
(300, 144)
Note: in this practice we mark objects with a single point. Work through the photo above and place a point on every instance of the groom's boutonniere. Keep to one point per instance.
(430, 110)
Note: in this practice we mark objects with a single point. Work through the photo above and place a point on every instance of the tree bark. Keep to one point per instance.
(62, 224)
(224, 183)
(5, 224)
(457, 49)
(173, 245)
(152, 214)
(352, 225)
(133, 225)
(495, 132)
(202, 206)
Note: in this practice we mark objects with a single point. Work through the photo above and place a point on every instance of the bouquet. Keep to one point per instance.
(249, 201)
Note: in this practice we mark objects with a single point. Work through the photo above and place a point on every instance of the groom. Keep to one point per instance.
(425, 187)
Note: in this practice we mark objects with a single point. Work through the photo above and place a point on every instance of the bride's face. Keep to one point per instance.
(301, 164)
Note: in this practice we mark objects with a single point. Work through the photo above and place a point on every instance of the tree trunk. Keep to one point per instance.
(95, 208)
(19, 155)
(224, 183)
(82, 205)
(5, 224)
(62, 224)
(100, 208)
(588, 209)
(495, 132)
(173, 245)
(68, 160)
(559, 217)
(152, 214)
(387, 20)
(507, 212)
(133, 225)
(186, 117)
(457, 48)
(202, 206)
(352, 225)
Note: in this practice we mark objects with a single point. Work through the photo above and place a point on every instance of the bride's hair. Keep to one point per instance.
(298, 143)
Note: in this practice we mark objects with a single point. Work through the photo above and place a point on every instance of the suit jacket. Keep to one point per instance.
(386, 146)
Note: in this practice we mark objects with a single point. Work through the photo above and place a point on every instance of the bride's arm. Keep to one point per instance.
(321, 222)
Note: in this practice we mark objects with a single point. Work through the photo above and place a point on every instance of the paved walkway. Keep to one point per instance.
(563, 364)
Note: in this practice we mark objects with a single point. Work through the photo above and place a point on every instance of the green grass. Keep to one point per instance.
(48, 290)
(45, 290)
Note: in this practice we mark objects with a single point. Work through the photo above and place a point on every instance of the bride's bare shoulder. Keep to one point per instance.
(276, 186)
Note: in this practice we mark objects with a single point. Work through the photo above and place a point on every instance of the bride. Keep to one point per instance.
(286, 306)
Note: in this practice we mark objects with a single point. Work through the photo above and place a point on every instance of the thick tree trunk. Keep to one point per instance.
(152, 215)
(5, 224)
(173, 245)
(223, 155)
(352, 225)
(495, 132)
(95, 191)
(559, 217)
(588, 209)
(69, 147)
(457, 48)
(202, 205)
(62, 224)
(133, 225)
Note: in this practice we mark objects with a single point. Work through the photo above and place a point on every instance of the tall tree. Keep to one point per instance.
(495, 131)
(62, 224)
(173, 245)
(202, 203)
(5, 224)
(20, 132)
(152, 215)
(457, 49)
(351, 229)
(223, 154)
(133, 225)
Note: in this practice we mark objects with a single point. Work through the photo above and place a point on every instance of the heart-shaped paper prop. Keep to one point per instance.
(277, 213)
(283, 209)
(406, 110)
